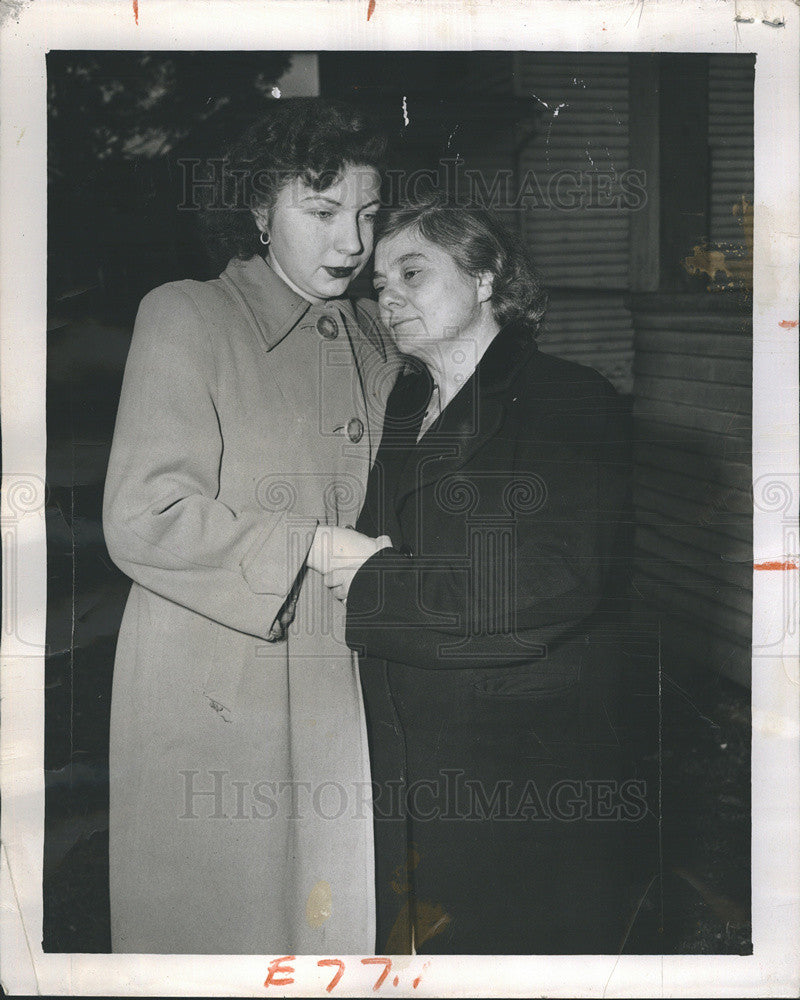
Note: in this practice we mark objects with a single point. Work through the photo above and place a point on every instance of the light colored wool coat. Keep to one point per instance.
(240, 815)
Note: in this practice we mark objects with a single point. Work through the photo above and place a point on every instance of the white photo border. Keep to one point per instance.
(772, 31)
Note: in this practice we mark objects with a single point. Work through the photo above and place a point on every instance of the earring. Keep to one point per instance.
(264, 241)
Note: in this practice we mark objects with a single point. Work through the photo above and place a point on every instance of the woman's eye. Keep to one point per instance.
(410, 273)
(323, 213)
(369, 217)
(378, 288)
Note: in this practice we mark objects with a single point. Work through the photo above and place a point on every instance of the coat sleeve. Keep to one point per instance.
(163, 522)
(493, 609)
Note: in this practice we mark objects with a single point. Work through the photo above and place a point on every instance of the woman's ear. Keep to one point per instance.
(261, 215)
(485, 286)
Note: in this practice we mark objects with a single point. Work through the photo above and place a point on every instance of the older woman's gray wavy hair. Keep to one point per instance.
(478, 242)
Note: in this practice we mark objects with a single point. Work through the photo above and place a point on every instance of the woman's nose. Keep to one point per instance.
(388, 297)
(348, 238)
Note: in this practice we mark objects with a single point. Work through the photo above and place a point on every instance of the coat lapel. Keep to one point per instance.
(405, 408)
(377, 363)
(472, 418)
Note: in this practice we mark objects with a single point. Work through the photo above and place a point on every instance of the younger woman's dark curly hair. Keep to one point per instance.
(478, 242)
(309, 138)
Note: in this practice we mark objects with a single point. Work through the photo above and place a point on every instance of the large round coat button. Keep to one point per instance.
(328, 327)
(355, 430)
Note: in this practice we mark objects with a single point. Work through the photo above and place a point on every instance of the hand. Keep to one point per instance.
(338, 553)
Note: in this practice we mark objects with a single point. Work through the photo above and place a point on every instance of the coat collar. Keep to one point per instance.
(503, 360)
(494, 374)
(271, 307)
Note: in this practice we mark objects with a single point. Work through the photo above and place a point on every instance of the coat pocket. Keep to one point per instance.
(529, 684)
(521, 712)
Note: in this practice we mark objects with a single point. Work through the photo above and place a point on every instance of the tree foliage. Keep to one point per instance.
(129, 104)
(117, 124)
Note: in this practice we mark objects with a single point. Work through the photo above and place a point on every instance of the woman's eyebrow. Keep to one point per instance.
(332, 201)
(401, 260)
(320, 197)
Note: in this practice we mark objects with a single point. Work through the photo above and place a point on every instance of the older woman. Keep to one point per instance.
(488, 684)
(250, 414)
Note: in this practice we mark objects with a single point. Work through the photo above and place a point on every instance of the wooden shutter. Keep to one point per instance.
(583, 129)
(730, 139)
(582, 252)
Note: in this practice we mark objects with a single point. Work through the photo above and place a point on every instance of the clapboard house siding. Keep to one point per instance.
(692, 489)
(693, 361)
(594, 329)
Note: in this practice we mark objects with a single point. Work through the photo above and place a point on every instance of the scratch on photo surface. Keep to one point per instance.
(417, 922)
(73, 554)
(20, 916)
(628, 930)
(430, 919)
(725, 662)
(406, 119)
(689, 701)
(557, 108)
(611, 724)
(660, 784)
(555, 112)
(439, 736)
(640, 5)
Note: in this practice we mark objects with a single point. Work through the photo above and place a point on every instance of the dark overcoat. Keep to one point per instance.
(486, 662)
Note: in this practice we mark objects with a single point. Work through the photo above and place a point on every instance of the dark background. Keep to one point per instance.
(120, 122)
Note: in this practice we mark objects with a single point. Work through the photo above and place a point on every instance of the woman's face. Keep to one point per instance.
(425, 298)
(322, 239)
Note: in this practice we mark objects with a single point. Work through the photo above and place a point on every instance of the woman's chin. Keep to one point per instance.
(404, 337)
(416, 347)
(332, 288)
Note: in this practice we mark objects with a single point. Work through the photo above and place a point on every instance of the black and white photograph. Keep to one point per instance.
(402, 449)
